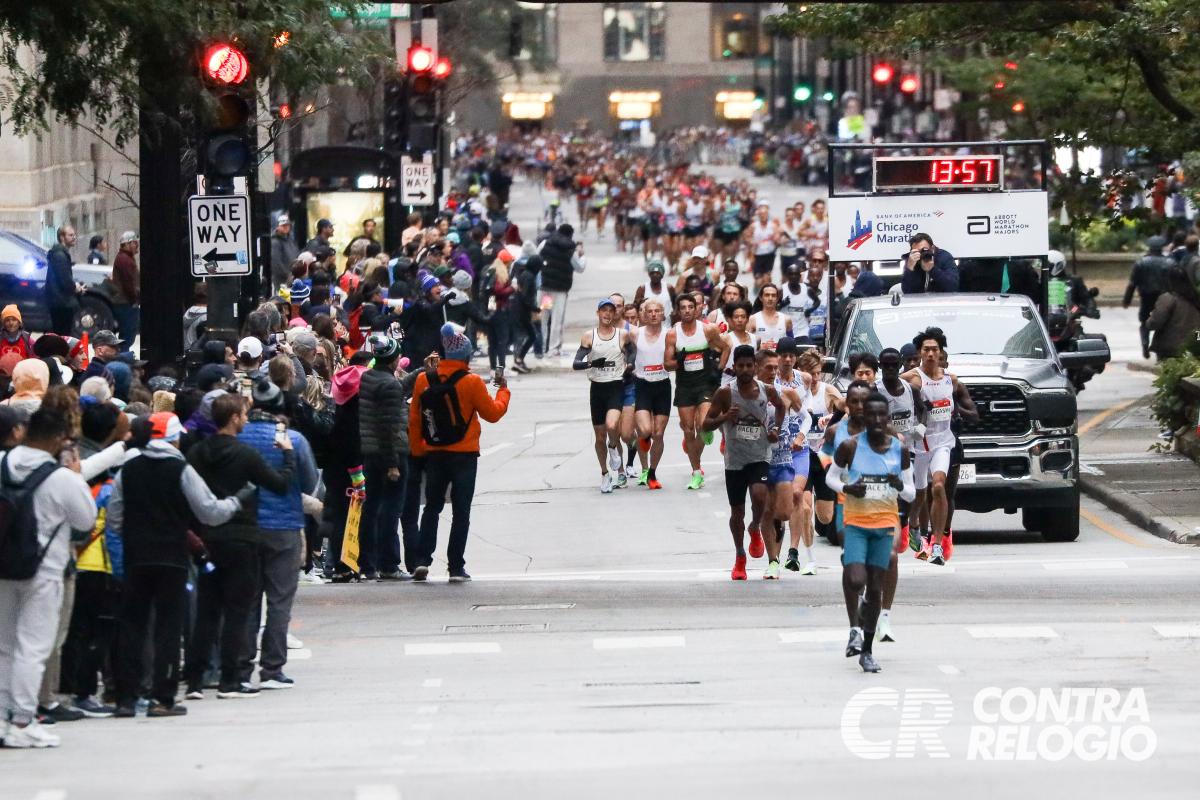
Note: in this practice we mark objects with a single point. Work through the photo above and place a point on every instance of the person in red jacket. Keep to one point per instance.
(443, 428)
(127, 299)
(14, 338)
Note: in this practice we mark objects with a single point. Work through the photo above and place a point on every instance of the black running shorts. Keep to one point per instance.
(653, 396)
(606, 396)
(739, 481)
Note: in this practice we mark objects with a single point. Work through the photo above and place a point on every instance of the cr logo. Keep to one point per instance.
(920, 714)
(980, 225)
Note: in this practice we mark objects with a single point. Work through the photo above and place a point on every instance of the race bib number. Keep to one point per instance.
(878, 488)
(693, 362)
(608, 372)
(749, 432)
(940, 410)
(902, 421)
(652, 369)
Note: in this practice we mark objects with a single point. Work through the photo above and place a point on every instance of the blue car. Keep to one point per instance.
(23, 278)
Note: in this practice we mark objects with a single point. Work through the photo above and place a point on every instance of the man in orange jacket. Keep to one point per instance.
(443, 429)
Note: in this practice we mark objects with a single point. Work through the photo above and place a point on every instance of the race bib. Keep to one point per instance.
(651, 369)
(749, 432)
(940, 410)
(902, 421)
(608, 372)
(693, 362)
(878, 488)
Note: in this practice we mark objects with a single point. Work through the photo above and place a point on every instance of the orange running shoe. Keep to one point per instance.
(948, 544)
(757, 548)
(653, 484)
(739, 569)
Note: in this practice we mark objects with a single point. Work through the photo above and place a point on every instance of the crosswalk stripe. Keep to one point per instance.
(1178, 631)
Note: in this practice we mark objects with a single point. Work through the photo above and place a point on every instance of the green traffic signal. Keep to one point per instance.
(828, 96)
(802, 93)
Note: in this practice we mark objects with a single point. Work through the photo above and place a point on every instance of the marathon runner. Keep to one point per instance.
(902, 410)
(794, 298)
(851, 425)
(653, 389)
(603, 352)
(941, 393)
(730, 294)
(628, 323)
(690, 346)
(800, 523)
(824, 402)
(763, 238)
(871, 470)
(655, 288)
(769, 325)
(743, 410)
(782, 476)
(956, 460)
(734, 319)
(727, 231)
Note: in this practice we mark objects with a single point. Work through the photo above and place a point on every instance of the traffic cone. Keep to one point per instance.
(84, 349)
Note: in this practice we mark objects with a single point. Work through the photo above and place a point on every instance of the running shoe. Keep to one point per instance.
(632, 472)
(884, 629)
(757, 548)
(868, 663)
(622, 480)
(606, 483)
(739, 568)
(772, 573)
(653, 484)
(793, 560)
(697, 481)
(937, 556)
(644, 477)
(707, 436)
(643, 444)
(948, 544)
(809, 569)
(903, 539)
(854, 646)
(915, 541)
(614, 459)
(926, 548)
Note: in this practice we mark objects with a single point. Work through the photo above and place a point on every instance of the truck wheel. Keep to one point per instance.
(1060, 524)
(93, 315)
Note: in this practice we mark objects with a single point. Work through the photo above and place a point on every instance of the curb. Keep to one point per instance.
(1138, 512)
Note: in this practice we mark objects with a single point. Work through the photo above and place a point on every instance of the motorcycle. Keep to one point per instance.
(1065, 322)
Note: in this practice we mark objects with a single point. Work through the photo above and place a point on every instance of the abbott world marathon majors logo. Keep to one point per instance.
(1018, 724)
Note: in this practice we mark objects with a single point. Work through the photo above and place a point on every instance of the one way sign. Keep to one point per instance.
(416, 182)
(219, 229)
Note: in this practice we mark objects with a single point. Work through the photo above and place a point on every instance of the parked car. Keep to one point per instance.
(22, 281)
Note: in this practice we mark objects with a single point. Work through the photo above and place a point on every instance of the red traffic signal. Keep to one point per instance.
(1018, 107)
(443, 68)
(225, 64)
(882, 73)
(909, 84)
(420, 59)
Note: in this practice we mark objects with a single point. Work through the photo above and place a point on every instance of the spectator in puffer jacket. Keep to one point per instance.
(343, 471)
(383, 432)
(281, 525)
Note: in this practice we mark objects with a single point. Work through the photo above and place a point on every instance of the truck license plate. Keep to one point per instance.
(966, 474)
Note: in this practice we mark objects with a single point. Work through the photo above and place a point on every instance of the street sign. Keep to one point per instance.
(373, 11)
(219, 230)
(416, 182)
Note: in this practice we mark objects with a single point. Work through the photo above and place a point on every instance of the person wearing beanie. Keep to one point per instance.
(228, 592)
(497, 291)
(451, 453)
(281, 532)
(14, 338)
(524, 307)
(155, 498)
(30, 380)
(383, 436)
(422, 319)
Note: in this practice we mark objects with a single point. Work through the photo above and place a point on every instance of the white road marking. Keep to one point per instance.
(51, 794)
(427, 710)
(1011, 632)
(948, 669)
(376, 791)
(1189, 630)
(825, 635)
(496, 448)
(450, 648)
(547, 428)
(432, 683)
(638, 642)
(303, 654)
(1083, 566)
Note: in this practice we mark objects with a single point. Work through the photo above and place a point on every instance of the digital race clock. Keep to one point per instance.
(939, 172)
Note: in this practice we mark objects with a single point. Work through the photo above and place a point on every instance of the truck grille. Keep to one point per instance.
(1002, 410)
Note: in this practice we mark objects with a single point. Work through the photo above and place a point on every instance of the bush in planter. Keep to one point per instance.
(1170, 404)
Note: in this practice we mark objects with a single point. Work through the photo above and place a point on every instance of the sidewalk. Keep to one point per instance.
(1159, 492)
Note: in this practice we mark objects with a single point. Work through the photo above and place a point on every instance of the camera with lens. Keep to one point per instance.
(926, 254)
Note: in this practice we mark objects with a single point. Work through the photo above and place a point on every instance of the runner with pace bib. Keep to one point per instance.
(603, 352)
(652, 389)
(693, 350)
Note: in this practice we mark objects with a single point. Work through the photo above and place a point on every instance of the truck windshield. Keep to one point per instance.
(973, 329)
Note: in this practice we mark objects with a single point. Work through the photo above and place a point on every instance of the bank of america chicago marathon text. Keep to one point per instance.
(895, 232)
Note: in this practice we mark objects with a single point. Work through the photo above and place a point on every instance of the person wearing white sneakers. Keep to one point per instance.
(604, 352)
(652, 388)
(691, 347)
(31, 588)
(743, 410)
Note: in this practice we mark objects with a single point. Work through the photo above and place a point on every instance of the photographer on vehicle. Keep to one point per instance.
(926, 268)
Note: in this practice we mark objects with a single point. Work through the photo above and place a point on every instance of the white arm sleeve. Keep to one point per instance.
(909, 492)
(836, 477)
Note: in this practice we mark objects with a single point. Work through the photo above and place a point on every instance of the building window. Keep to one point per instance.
(535, 33)
(735, 31)
(634, 31)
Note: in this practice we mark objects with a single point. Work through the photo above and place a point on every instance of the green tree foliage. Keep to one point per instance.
(86, 57)
(1118, 73)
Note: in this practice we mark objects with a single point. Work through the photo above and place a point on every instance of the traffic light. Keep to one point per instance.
(909, 84)
(882, 73)
(1018, 107)
(393, 115)
(442, 68)
(803, 92)
(421, 99)
(227, 143)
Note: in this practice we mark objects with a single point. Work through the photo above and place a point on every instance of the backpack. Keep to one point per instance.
(20, 555)
(442, 421)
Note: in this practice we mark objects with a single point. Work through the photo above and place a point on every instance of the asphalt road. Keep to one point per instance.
(602, 651)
